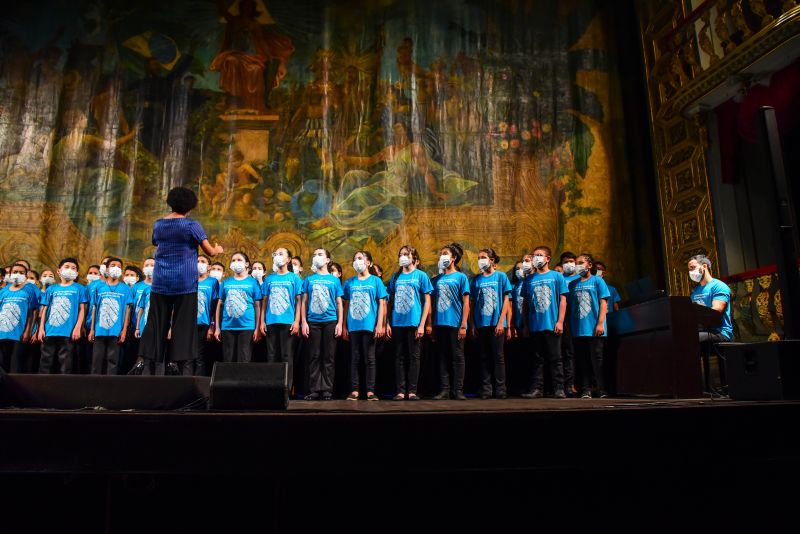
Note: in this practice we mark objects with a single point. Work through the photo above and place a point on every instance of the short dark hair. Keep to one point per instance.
(90, 267)
(135, 269)
(218, 264)
(108, 262)
(182, 200)
(567, 255)
(546, 250)
(70, 260)
(299, 260)
(18, 264)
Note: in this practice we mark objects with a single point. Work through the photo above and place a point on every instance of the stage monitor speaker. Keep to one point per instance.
(763, 371)
(249, 386)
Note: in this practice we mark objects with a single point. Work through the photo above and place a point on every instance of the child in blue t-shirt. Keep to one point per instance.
(545, 309)
(567, 265)
(365, 308)
(18, 305)
(63, 309)
(410, 291)
(238, 309)
(491, 307)
(280, 317)
(588, 305)
(207, 296)
(450, 317)
(321, 316)
(110, 317)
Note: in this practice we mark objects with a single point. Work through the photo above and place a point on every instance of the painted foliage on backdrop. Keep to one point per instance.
(352, 125)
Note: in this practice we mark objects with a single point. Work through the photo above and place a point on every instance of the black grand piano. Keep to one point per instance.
(657, 348)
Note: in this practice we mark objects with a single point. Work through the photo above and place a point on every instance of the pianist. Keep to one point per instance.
(714, 294)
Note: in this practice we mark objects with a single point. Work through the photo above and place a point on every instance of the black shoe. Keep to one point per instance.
(327, 396)
(559, 394)
(459, 396)
(312, 397)
(501, 396)
(413, 397)
(443, 395)
(485, 396)
(172, 369)
(137, 370)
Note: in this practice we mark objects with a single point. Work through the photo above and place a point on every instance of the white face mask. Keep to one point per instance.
(404, 261)
(202, 268)
(569, 268)
(581, 269)
(237, 266)
(103, 270)
(48, 281)
(319, 261)
(520, 274)
(130, 280)
(442, 266)
(527, 267)
(359, 266)
(217, 275)
(114, 272)
(92, 277)
(599, 273)
(148, 271)
(696, 275)
(483, 264)
(539, 261)
(278, 259)
(69, 275)
(18, 279)
(31, 281)
(7, 279)
(258, 274)
(275, 268)
(444, 261)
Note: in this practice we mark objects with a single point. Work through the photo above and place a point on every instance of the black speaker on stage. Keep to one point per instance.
(249, 386)
(763, 371)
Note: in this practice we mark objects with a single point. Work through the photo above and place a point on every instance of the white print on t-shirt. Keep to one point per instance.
(584, 299)
(109, 312)
(544, 297)
(360, 305)
(201, 303)
(235, 303)
(60, 309)
(445, 300)
(320, 298)
(489, 295)
(404, 299)
(278, 300)
(10, 317)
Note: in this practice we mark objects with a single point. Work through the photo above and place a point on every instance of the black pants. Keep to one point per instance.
(362, 346)
(321, 357)
(178, 312)
(547, 347)
(493, 362)
(61, 349)
(707, 342)
(406, 346)
(280, 348)
(203, 349)
(237, 346)
(451, 354)
(105, 355)
(11, 356)
(568, 356)
(589, 360)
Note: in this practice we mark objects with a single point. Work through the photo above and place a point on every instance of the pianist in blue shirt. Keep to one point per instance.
(712, 293)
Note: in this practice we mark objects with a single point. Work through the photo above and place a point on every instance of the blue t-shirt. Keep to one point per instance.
(408, 291)
(143, 303)
(569, 278)
(110, 304)
(322, 291)
(517, 302)
(136, 290)
(281, 291)
(63, 306)
(14, 309)
(177, 240)
(584, 305)
(613, 299)
(448, 294)
(238, 299)
(543, 292)
(707, 294)
(207, 294)
(487, 294)
(363, 296)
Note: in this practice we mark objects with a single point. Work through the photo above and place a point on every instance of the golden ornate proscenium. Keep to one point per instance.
(688, 55)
